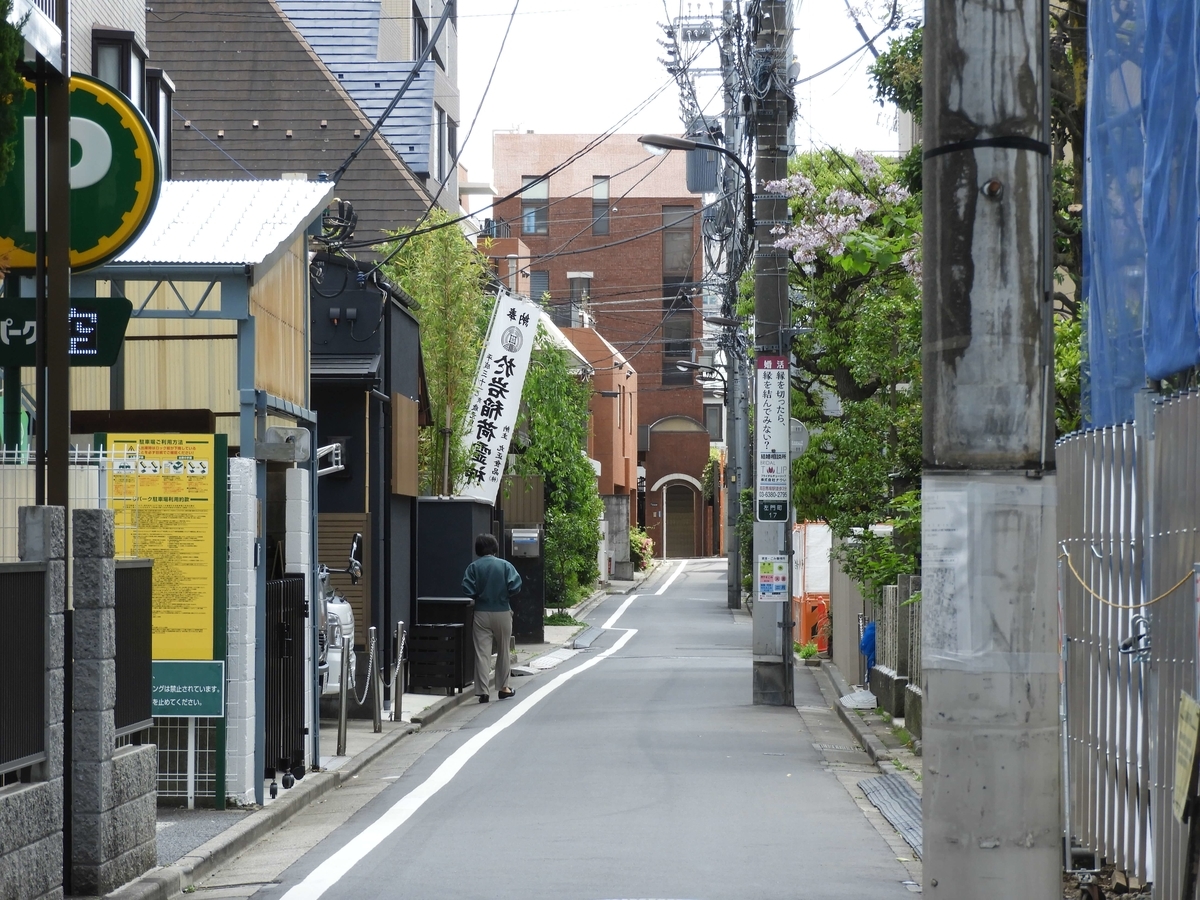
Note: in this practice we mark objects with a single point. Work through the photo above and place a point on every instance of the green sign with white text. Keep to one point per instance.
(182, 688)
(95, 330)
(115, 177)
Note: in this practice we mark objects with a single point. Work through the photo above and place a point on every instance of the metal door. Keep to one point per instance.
(680, 518)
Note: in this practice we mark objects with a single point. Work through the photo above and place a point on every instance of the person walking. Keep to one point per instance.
(491, 581)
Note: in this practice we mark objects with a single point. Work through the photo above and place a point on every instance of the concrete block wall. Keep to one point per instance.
(31, 815)
(239, 666)
(616, 513)
(114, 793)
(298, 542)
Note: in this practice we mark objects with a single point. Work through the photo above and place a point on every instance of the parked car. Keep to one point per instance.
(337, 622)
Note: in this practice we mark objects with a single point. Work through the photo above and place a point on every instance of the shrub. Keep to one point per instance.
(641, 548)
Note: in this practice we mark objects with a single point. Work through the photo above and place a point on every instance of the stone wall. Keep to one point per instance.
(114, 791)
(31, 815)
(239, 664)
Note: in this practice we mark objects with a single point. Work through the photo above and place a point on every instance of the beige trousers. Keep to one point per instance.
(492, 629)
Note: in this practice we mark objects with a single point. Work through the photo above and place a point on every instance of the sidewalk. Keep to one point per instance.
(194, 843)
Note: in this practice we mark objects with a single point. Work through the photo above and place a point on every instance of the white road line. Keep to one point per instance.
(330, 872)
(671, 580)
(612, 620)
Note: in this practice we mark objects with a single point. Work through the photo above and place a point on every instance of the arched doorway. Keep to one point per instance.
(679, 504)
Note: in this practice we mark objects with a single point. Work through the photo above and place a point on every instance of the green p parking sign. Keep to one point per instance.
(116, 176)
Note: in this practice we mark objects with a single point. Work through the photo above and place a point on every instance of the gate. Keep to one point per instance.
(285, 677)
(23, 666)
(134, 630)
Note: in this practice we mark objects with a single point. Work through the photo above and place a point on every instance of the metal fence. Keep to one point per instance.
(285, 676)
(887, 630)
(134, 627)
(23, 666)
(1107, 731)
(1173, 513)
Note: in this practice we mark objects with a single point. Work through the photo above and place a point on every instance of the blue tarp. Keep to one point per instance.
(1114, 247)
(1142, 201)
(1170, 201)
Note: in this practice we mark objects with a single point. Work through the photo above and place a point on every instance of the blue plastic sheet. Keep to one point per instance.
(1170, 201)
(1114, 245)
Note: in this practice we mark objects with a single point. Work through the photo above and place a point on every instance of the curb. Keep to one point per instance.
(837, 688)
(437, 710)
(168, 881)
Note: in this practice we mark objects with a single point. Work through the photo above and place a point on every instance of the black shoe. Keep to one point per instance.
(484, 698)
(505, 694)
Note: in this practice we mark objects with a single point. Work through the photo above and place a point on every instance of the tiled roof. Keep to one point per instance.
(226, 222)
(240, 62)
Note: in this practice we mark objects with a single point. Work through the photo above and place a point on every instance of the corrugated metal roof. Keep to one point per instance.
(226, 222)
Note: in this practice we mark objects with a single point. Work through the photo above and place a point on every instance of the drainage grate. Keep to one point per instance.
(900, 805)
(841, 747)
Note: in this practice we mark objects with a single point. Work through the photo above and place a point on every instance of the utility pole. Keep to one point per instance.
(772, 630)
(738, 452)
(989, 624)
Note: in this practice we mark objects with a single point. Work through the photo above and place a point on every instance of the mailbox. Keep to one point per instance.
(526, 543)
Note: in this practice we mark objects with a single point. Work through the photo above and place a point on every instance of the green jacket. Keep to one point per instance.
(491, 581)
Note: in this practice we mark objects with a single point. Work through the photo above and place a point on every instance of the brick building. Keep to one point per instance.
(615, 240)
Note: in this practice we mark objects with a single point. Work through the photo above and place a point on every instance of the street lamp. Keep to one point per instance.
(666, 142)
(685, 365)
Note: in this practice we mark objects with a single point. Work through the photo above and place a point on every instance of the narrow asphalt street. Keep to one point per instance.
(638, 768)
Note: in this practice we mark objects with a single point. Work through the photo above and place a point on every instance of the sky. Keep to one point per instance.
(571, 66)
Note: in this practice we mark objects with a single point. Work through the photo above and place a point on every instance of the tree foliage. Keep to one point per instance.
(855, 247)
(12, 87)
(447, 278)
(554, 415)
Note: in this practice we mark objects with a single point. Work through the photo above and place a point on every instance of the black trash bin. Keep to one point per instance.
(441, 651)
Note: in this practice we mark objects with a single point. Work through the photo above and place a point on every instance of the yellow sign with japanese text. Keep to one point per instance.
(163, 492)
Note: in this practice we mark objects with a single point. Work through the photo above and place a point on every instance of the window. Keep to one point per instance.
(119, 62)
(713, 420)
(451, 142)
(420, 33)
(599, 204)
(437, 144)
(679, 244)
(160, 91)
(678, 314)
(535, 205)
(581, 287)
(539, 284)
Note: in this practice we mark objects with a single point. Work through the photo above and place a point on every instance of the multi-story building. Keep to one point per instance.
(614, 240)
(371, 47)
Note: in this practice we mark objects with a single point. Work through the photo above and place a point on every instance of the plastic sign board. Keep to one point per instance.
(496, 397)
(96, 331)
(772, 432)
(184, 688)
(165, 496)
(772, 577)
(116, 175)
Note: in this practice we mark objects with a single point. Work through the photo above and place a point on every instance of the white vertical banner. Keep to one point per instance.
(496, 396)
(772, 436)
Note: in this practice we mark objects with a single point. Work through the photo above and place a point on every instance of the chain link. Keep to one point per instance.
(362, 701)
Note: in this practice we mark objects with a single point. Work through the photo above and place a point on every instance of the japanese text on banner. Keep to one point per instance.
(772, 421)
(496, 396)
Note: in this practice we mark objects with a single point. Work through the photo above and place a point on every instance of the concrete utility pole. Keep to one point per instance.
(992, 784)
(738, 451)
(772, 645)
